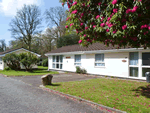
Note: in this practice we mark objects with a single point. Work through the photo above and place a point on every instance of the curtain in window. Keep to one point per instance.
(77, 58)
(134, 56)
(99, 58)
(133, 71)
(54, 59)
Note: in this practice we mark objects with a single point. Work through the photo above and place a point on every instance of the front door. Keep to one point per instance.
(57, 62)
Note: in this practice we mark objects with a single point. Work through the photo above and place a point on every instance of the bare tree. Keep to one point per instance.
(26, 24)
(56, 16)
(2, 45)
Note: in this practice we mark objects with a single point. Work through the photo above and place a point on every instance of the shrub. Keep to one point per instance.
(79, 70)
(12, 61)
(7, 68)
(45, 62)
(28, 60)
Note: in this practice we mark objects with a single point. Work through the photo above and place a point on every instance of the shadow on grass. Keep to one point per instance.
(143, 90)
(54, 85)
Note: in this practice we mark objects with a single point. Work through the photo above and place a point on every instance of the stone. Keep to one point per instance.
(47, 79)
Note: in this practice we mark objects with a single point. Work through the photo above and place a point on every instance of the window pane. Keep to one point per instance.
(134, 56)
(57, 58)
(57, 66)
(61, 66)
(99, 58)
(54, 60)
(144, 70)
(99, 64)
(0, 59)
(61, 58)
(54, 65)
(77, 64)
(146, 59)
(77, 58)
(133, 71)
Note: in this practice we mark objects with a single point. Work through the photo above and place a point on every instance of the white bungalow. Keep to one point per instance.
(101, 60)
(17, 51)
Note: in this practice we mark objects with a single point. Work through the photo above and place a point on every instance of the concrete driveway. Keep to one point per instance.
(36, 80)
(19, 97)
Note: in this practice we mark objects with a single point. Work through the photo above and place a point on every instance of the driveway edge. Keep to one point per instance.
(93, 104)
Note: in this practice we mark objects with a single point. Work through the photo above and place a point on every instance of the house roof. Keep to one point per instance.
(77, 47)
(16, 49)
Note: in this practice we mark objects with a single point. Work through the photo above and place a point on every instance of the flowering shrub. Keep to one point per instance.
(116, 22)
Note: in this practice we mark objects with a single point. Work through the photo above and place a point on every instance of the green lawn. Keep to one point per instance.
(130, 96)
(40, 71)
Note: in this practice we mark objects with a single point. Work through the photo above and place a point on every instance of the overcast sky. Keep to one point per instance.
(8, 10)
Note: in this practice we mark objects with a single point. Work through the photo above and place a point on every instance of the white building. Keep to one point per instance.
(17, 51)
(101, 60)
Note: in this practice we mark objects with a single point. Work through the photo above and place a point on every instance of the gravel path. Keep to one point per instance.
(19, 97)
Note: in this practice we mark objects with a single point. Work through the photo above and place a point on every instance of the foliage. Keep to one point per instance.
(40, 71)
(26, 24)
(116, 22)
(28, 60)
(7, 68)
(45, 63)
(80, 70)
(115, 93)
(67, 40)
(12, 60)
(2, 45)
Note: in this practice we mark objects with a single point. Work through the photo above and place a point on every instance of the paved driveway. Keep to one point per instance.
(36, 80)
(19, 97)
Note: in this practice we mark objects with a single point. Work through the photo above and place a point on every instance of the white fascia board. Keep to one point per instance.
(99, 51)
(66, 53)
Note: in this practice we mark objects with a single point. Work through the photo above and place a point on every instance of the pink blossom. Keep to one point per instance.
(83, 4)
(84, 35)
(144, 26)
(99, 3)
(68, 5)
(107, 23)
(86, 28)
(107, 30)
(114, 31)
(102, 19)
(74, 12)
(108, 18)
(82, 14)
(80, 41)
(97, 16)
(74, 3)
(115, 10)
(149, 27)
(114, 2)
(66, 26)
(124, 27)
(110, 25)
(94, 26)
(88, 6)
(145, 32)
(124, 36)
(71, 24)
(134, 9)
(81, 24)
(92, 23)
(102, 24)
(67, 18)
(62, 4)
(128, 11)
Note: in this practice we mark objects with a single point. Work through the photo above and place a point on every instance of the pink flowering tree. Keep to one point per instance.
(116, 22)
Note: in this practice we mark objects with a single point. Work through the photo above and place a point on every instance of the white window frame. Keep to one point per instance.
(57, 63)
(1, 61)
(77, 62)
(99, 62)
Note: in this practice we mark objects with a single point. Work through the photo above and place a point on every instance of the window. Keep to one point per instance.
(57, 62)
(99, 60)
(0, 60)
(133, 64)
(146, 59)
(77, 60)
(134, 56)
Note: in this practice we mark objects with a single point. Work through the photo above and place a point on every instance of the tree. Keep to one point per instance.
(56, 16)
(67, 40)
(116, 22)
(26, 24)
(2, 45)
(28, 60)
(12, 61)
(13, 44)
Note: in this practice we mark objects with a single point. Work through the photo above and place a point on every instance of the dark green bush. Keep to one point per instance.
(12, 61)
(45, 62)
(7, 68)
(79, 70)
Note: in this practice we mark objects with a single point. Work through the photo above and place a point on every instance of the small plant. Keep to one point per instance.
(45, 63)
(79, 70)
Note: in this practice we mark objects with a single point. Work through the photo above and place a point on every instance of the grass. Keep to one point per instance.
(130, 96)
(40, 71)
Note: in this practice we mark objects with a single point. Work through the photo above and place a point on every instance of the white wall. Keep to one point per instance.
(2, 65)
(113, 64)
